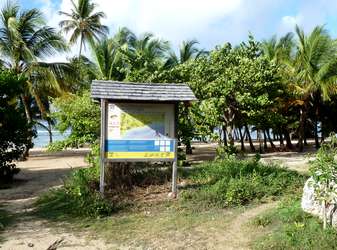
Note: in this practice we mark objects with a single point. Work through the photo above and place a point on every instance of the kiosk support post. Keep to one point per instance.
(102, 146)
(174, 171)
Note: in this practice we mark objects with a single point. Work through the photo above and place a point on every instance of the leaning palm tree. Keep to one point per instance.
(187, 51)
(313, 71)
(84, 23)
(25, 41)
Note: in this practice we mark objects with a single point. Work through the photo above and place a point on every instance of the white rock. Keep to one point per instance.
(311, 205)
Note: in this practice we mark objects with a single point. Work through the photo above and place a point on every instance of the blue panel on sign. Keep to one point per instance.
(164, 145)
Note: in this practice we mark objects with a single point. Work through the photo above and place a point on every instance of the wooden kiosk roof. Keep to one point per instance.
(131, 91)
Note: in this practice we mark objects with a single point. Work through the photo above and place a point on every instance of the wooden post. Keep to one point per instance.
(102, 146)
(175, 162)
(174, 171)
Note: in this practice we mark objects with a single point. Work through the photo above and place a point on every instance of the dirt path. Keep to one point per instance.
(239, 234)
(37, 175)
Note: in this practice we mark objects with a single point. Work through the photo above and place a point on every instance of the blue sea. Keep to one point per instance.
(42, 139)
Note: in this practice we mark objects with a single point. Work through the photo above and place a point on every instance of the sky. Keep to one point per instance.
(211, 22)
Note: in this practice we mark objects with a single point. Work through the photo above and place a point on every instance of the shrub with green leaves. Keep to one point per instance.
(79, 114)
(15, 131)
(78, 197)
(232, 182)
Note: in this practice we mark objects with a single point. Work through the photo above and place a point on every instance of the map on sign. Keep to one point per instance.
(146, 125)
(139, 131)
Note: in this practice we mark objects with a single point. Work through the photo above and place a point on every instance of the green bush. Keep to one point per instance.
(81, 115)
(15, 131)
(232, 182)
(77, 197)
(292, 228)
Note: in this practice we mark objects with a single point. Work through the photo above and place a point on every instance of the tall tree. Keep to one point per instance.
(25, 41)
(145, 55)
(110, 55)
(84, 23)
(187, 51)
(313, 72)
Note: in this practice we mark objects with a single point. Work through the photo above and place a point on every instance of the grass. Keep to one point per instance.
(215, 194)
(232, 182)
(291, 228)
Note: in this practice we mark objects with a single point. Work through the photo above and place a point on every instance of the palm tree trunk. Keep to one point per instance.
(25, 100)
(301, 130)
(81, 44)
(40, 105)
(252, 148)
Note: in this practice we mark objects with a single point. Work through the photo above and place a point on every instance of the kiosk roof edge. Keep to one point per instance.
(131, 91)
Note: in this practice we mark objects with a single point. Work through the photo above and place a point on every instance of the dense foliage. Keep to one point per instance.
(232, 182)
(15, 131)
(81, 115)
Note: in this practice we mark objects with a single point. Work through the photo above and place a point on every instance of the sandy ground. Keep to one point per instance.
(43, 170)
(38, 174)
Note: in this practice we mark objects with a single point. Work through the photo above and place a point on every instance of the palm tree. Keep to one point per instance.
(313, 72)
(278, 50)
(145, 54)
(25, 41)
(109, 55)
(187, 51)
(84, 23)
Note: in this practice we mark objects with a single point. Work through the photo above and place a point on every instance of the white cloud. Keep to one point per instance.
(174, 20)
(289, 22)
(212, 22)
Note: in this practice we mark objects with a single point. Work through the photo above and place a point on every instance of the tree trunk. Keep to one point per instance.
(252, 148)
(188, 149)
(265, 146)
(26, 106)
(224, 136)
(229, 131)
(316, 128)
(289, 144)
(281, 140)
(81, 44)
(316, 134)
(50, 131)
(242, 140)
(258, 134)
(25, 103)
(269, 139)
(301, 130)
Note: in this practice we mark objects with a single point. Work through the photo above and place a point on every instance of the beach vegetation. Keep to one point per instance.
(15, 130)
